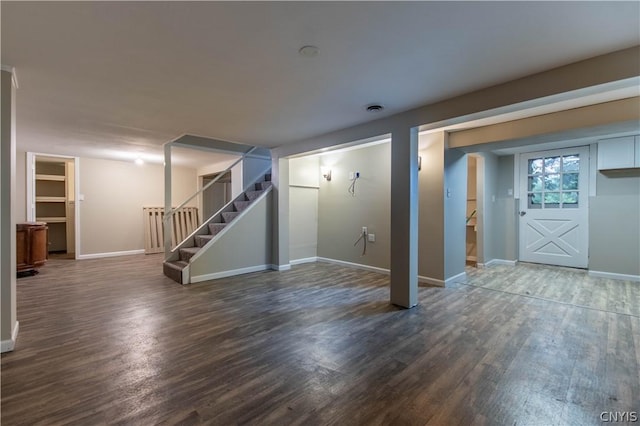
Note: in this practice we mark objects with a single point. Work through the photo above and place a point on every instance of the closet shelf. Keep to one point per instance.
(56, 178)
(43, 199)
(52, 219)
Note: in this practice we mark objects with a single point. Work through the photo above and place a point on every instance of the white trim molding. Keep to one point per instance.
(110, 254)
(10, 344)
(304, 260)
(460, 278)
(231, 273)
(614, 276)
(354, 265)
(431, 281)
(14, 76)
(501, 262)
(284, 267)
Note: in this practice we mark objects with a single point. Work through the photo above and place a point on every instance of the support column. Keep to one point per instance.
(404, 217)
(8, 321)
(167, 200)
(280, 236)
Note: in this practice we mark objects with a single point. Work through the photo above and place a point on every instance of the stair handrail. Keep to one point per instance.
(205, 222)
(167, 216)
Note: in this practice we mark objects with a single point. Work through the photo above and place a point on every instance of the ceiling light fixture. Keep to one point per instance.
(374, 108)
(309, 51)
(139, 161)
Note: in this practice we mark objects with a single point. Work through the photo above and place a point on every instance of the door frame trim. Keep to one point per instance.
(31, 182)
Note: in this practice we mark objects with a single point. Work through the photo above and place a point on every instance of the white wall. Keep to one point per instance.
(304, 182)
(114, 192)
(8, 307)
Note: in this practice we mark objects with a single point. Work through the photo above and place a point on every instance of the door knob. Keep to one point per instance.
(523, 213)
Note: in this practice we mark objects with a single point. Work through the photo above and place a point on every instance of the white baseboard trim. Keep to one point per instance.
(354, 265)
(284, 267)
(614, 276)
(461, 277)
(231, 273)
(304, 260)
(501, 262)
(9, 344)
(110, 254)
(431, 281)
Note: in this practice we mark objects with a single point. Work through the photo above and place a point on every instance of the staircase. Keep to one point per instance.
(178, 262)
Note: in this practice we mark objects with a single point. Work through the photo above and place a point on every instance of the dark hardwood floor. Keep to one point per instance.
(113, 341)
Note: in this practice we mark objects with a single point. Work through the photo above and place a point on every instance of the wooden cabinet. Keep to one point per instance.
(619, 153)
(31, 245)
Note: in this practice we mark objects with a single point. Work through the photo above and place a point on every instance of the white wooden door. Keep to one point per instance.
(554, 207)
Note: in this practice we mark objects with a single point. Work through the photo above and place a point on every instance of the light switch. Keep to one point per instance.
(372, 238)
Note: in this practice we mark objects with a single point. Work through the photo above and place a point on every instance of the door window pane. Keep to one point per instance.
(552, 182)
(570, 199)
(569, 181)
(535, 183)
(551, 198)
(535, 166)
(552, 165)
(570, 163)
(535, 200)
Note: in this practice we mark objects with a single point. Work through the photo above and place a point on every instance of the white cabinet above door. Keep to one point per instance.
(619, 153)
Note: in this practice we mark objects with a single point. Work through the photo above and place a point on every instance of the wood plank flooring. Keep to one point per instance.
(113, 341)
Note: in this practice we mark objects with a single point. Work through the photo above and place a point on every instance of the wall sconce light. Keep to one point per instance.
(419, 162)
(326, 173)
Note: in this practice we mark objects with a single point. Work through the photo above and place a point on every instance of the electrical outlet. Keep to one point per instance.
(364, 229)
(350, 175)
(372, 238)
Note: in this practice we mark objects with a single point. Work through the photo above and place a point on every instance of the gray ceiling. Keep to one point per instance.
(102, 78)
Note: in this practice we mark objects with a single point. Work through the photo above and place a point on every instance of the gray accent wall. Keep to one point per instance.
(431, 207)
(614, 223)
(504, 223)
(455, 207)
(487, 167)
(341, 216)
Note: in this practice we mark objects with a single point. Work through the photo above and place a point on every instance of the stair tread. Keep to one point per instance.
(252, 195)
(190, 249)
(229, 216)
(176, 264)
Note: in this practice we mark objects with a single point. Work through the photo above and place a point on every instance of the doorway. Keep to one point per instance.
(217, 195)
(51, 198)
(554, 207)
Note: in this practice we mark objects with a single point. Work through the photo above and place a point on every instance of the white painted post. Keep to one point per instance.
(167, 200)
